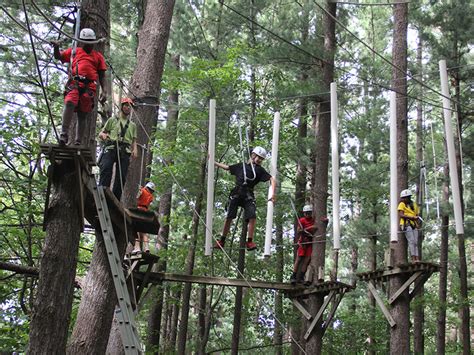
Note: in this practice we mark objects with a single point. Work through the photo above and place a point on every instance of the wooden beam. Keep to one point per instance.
(158, 277)
(301, 308)
(144, 282)
(319, 314)
(404, 286)
(379, 301)
(419, 284)
(333, 311)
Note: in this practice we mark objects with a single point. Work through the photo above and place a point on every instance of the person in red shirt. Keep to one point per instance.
(145, 198)
(306, 230)
(87, 67)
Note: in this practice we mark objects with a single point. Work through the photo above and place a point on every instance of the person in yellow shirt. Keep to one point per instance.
(410, 221)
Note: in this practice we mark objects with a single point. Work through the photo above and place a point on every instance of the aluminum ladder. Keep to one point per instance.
(124, 314)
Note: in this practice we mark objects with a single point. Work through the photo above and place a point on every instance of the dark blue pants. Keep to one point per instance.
(106, 164)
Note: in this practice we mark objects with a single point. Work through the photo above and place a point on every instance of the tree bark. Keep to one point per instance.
(280, 263)
(419, 312)
(55, 291)
(399, 335)
(183, 325)
(321, 166)
(443, 269)
(146, 83)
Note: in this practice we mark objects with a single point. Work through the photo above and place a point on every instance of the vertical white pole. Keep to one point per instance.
(336, 226)
(448, 129)
(393, 169)
(273, 172)
(210, 176)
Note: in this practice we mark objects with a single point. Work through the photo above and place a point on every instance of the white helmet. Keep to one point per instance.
(308, 208)
(261, 152)
(150, 185)
(405, 193)
(87, 34)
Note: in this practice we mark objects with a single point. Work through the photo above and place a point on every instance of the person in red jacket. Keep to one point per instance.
(306, 230)
(145, 198)
(87, 67)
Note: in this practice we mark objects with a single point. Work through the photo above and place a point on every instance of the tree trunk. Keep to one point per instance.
(55, 291)
(239, 292)
(154, 320)
(443, 269)
(146, 81)
(462, 269)
(419, 312)
(51, 314)
(321, 166)
(183, 325)
(280, 263)
(399, 335)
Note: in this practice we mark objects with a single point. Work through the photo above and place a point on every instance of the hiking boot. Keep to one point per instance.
(293, 279)
(219, 244)
(63, 138)
(250, 246)
(300, 278)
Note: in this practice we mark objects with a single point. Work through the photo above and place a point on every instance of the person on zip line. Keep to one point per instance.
(87, 67)
(120, 144)
(246, 177)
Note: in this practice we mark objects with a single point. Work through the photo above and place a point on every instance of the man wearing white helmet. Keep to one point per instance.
(410, 221)
(246, 177)
(87, 66)
(144, 200)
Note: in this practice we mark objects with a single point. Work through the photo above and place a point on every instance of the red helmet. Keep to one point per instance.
(126, 100)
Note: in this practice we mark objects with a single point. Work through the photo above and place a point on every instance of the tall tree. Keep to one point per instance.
(52, 311)
(321, 165)
(399, 335)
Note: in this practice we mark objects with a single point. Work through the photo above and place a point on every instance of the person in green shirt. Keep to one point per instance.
(120, 144)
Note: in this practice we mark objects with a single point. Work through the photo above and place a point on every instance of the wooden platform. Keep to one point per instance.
(144, 221)
(68, 152)
(386, 273)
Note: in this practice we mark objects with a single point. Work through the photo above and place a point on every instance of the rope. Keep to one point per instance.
(39, 71)
(381, 56)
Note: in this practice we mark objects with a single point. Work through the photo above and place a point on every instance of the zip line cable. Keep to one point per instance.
(39, 71)
(382, 57)
(185, 195)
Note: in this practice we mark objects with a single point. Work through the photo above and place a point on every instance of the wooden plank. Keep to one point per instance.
(379, 301)
(333, 311)
(301, 309)
(319, 314)
(405, 285)
(401, 269)
(420, 283)
(158, 277)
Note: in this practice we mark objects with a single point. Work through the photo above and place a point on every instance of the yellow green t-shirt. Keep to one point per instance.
(408, 211)
(113, 127)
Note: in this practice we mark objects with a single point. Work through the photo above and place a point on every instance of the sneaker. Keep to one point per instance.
(250, 246)
(293, 279)
(77, 142)
(136, 251)
(300, 278)
(219, 244)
